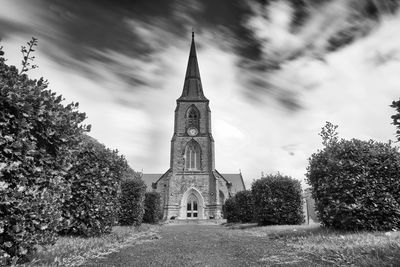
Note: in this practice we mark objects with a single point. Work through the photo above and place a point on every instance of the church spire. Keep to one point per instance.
(192, 88)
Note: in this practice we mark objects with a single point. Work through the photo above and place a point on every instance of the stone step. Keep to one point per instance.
(196, 221)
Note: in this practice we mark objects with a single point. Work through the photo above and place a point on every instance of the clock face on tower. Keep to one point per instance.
(192, 131)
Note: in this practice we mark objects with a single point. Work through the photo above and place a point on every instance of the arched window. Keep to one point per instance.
(192, 156)
(192, 117)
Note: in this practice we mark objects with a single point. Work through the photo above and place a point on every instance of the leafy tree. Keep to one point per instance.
(38, 137)
(396, 117)
(239, 208)
(355, 185)
(133, 191)
(95, 180)
(230, 210)
(152, 207)
(329, 134)
(277, 200)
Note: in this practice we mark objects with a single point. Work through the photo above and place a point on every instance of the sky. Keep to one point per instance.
(274, 72)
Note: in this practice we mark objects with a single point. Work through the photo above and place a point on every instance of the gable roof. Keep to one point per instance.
(235, 178)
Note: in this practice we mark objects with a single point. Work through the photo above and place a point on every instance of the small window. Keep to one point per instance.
(195, 215)
(189, 214)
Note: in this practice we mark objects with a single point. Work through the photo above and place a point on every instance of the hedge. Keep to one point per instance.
(356, 185)
(38, 137)
(152, 207)
(95, 184)
(239, 208)
(277, 200)
(132, 201)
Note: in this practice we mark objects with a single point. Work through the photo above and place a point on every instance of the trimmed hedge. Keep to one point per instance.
(95, 184)
(38, 137)
(356, 185)
(230, 210)
(239, 208)
(277, 200)
(132, 202)
(152, 207)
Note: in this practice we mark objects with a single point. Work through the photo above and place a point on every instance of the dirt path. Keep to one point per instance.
(202, 245)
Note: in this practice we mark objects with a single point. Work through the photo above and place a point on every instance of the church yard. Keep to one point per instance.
(250, 245)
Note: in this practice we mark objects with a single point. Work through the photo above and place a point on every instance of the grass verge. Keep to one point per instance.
(74, 251)
(325, 247)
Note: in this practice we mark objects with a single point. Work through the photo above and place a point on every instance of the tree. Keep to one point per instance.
(239, 208)
(396, 117)
(133, 191)
(355, 185)
(95, 179)
(277, 200)
(152, 207)
(38, 139)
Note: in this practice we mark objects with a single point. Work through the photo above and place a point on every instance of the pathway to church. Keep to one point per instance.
(202, 245)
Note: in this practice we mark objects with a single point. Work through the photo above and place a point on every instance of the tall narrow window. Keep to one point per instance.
(192, 156)
(192, 117)
(191, 210)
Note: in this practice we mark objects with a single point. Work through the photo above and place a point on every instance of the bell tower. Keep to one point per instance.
(192, 188)
(192, 160)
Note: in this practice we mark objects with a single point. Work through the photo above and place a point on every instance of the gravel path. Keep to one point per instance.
(202, 245)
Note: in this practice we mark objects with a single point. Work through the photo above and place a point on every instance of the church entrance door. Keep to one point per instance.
(192, 207)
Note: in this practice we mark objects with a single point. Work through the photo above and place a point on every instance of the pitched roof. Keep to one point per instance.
(192, 87)
(235, 178)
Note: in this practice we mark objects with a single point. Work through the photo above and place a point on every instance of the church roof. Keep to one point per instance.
(235, 179)
(192, 87)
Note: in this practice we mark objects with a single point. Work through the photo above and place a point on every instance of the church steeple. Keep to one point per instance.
(192, 87)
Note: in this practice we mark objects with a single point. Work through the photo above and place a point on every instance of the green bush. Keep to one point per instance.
(95, 184)
(37, 140)
(239, 208)
(152, 207)
(356, 185)
(132, 201)
(277, 200)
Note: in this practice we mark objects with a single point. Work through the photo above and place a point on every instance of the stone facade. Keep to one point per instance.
(192, 188)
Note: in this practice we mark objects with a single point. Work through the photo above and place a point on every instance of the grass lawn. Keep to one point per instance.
(73, 251)
(327, 247)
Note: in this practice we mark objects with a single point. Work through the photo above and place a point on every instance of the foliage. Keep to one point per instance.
(26, 52)
(230, 210)
(277, 200)
(152, 207)
(132, 201)
(239, 208)
(396, 117)
(95, 184)
(355, 185)
(329, 134)
(38, 135)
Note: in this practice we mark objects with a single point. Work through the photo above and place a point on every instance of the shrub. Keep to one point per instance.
(37, 139)
(277, 200)
(239, 208)
(95, 184)
(152, 207)
(230, 210)
(356, 185)
(132, 201)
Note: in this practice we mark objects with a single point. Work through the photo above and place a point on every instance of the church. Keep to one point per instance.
(192, 188)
